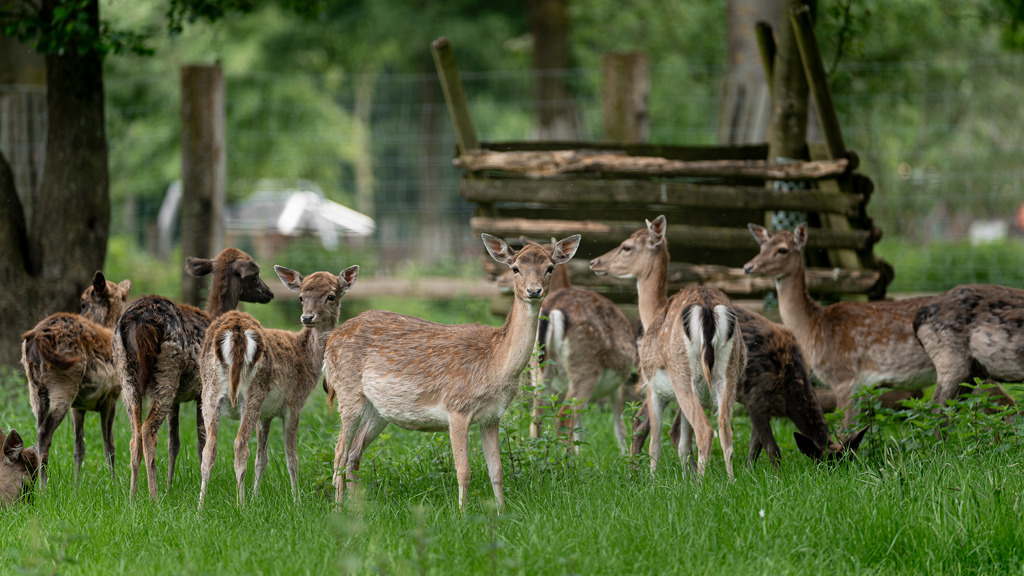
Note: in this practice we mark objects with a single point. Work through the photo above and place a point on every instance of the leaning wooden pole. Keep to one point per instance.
(454, 95)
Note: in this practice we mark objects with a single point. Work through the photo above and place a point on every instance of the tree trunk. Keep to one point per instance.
(746, 101)
(556, 111)
(46, 264)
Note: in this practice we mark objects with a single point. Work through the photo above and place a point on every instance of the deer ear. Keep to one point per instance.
(498, 250)
(853, 442)
(290, 278)
(99, 284)
(13, 446)
(565, 249)
(760, 233)
(656, 229)
(198, 266)
(348, 277)
(807, 446)
(125, 285)
(801, 235)
(31, 458)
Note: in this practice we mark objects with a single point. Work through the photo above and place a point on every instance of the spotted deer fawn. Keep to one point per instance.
(18, 468)
(588, 351)
(69, 367)
(259, 373)
(383, 368)
(692, 349)
(849, 345)
(156, 350)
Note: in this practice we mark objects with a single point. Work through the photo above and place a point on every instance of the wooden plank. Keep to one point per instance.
(454, 95)
(817, 80)
(688, 153)
(547, 164)
(640, 193)
(706, 236)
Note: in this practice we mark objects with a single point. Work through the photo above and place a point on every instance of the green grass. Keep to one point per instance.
(907, 504)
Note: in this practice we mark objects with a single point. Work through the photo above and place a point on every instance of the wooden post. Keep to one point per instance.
(625, 90)
(203, 168)
(454, 96)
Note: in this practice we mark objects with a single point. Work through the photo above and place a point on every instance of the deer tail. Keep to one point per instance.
(239, 346)
(143, 343)
(41, 348)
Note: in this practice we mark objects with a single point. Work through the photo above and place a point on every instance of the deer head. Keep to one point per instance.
(104, 301)
(18, 467)
(320, 294)
(781, 254)
(236, 277)
(835, 451)
(636, 255)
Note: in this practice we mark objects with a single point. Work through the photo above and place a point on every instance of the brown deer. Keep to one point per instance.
(384, 368)
(156, 350)
(17, 468)
(692, 349)
(973, 331)
(69, 367)
(848, 344)
(588, 351)
(775, 384)
(259, 373)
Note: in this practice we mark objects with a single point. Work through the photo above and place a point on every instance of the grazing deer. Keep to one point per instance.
(260, 373)
(775, 384)
(973, 331)
(17, 468)
(588, 350)
(156, 350)
(848, 344)
(386, 368)
(692, 349)
(69, 367)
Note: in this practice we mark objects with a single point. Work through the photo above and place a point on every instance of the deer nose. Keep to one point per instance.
(534, 292)
(748, 268)
(593, 263)
(308, 318)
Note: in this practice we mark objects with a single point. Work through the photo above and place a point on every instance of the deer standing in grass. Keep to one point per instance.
(588, 351)
(18, 467)
(692, 349)
(69, 367)
(156, 350)
(383, 368)
(848, 344)
(259, 373)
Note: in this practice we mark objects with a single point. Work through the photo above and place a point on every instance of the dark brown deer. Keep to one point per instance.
(156, 349)
(259, 374)
(383, 368)
(692, 350)
(848, 345)
(69, 367)
(588, 351)
(17, 468)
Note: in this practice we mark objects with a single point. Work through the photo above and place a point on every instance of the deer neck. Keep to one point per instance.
(650, 289)
(219, 301)
(560, 278)
(313, 340)
(798, 311)
(514, 341)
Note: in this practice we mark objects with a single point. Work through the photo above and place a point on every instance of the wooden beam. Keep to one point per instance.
(559, 162)
(736, 152)
(699, 236)
(810, 56)
(639, 193)
(454, 95)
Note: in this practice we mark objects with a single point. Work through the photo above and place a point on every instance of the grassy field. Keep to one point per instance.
(907, 504)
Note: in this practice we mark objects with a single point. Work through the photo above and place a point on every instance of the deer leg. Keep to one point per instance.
(641, 429)
(134, 406)
(200, 429)
(618, 404)
(150, 427)
(173, 441)
(350, 422)
(458, 431)
(492, 454)
(44, 438)
(250, 418)
(582, 381)
(107, 412)
(725, 405)
(695, 418)
(655, 406)
(262, 456)
(761, 435)
(537, 383)
(683, 439)
(78, 425)
(211, 419)
(291, 450)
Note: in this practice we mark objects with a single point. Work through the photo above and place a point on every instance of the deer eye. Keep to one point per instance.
(550, 269)
(627, 248)
(83, 304)
(330, 297)
(300, 299)
(515, 269)
(783, 250)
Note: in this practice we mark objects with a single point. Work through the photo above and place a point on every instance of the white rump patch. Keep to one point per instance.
(225, 348)
(724, 316)
(251, 344)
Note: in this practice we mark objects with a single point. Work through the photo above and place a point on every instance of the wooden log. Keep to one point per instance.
(703, 236)
(454, 95)
(688, 153)
(641, 193)
(547, 164)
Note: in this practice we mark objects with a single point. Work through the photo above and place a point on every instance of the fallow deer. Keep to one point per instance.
(259, 373)
(692, 349)
(973, 331)
(156, 350)
(588, 351)
(69, 367)
(848, 344)
(384, 368)
(18, 468)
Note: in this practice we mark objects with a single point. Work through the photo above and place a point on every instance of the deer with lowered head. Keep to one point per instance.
(18, 468)
(69, 367)
(382, 367)
(156, 350)
(587, 351)
(692, 350)
(259, 374)
(849, 345)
